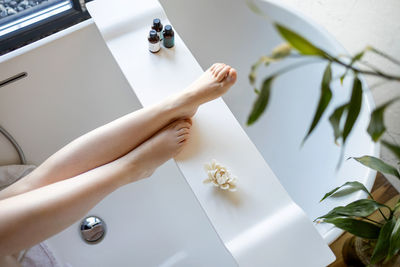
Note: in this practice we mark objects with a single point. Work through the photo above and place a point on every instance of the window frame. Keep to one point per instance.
(43, 28)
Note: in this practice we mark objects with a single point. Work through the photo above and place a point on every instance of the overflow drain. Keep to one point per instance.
(93, 229)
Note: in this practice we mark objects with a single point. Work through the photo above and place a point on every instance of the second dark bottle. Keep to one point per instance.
(169, 38)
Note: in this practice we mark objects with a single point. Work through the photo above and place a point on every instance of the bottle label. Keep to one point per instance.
(154, 47)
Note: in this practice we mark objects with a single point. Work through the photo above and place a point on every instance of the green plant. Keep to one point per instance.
(343, 117)
(353, 217)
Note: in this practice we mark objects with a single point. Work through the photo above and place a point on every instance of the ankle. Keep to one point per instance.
(177, 106)
(131, 169)
(170, 107)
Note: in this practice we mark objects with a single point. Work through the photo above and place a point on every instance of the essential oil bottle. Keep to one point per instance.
(157, 26)
(169, 38)
(154, 42)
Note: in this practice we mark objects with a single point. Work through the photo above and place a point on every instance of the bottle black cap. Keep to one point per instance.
(153, 34)
(156, 22)
(168, 28)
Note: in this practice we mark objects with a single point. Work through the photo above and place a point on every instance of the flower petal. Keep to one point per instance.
(219, 176)
(207, 181)
(224, 186)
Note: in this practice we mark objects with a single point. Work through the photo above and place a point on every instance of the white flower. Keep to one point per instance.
(219, 176)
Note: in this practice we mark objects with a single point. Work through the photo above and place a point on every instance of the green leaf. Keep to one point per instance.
(378, 165)
(325, 98)
(376, 125)
(278, 53)
(357, 57)
(358, 208)
(394, 246)
(261, 102)
(253, 72)
(335, 119)
(342, 77)
(353, 186)
(397, 206)
(353, 109)
(356, 227)
(382, 245)
(281, 51)
(252, 78)
(393, 148)
(330, 215)
(253, 7)
(298, 42)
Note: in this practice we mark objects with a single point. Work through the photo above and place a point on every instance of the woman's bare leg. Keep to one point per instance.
(117, 138)
(34, 216)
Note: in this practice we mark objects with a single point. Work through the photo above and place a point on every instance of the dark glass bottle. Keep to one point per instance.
(169, 36)
(154, 42)
(157, 26)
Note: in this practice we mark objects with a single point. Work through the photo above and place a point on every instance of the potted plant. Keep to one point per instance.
(375, 242)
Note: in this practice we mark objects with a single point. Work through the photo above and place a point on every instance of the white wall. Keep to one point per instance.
(356, 24)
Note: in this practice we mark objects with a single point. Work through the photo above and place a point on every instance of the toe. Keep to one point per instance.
(212, 68)
(232, 76)
(181, 144)
(175, 124)
(182, 138)
(183, 125)
(218, 69)
(223, 73)
(179, 124)
(183, 131)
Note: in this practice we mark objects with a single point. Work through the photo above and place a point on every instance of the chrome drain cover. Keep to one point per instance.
(93, 229)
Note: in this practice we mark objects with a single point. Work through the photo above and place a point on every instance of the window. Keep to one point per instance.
(25, 21)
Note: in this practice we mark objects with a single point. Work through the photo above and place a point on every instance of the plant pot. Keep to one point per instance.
(357, 252)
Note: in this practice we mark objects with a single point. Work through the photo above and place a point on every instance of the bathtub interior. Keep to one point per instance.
(227, 31)
(73, 86)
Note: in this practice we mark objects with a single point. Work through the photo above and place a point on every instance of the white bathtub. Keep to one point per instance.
(74, 85)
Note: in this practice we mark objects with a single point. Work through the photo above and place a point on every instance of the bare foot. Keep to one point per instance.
(212, 84)
(164, 145)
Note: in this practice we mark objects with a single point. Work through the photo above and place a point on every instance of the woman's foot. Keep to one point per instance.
(212, 84)
(164, 145)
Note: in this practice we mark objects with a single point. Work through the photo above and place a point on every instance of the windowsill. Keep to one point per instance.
(31, 16)
(50, 38)
(45, 23)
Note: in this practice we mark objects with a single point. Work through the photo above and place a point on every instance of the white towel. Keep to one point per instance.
(39, 255)
(11, 173)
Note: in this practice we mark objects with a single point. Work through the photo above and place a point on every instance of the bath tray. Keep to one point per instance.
(259, 224)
